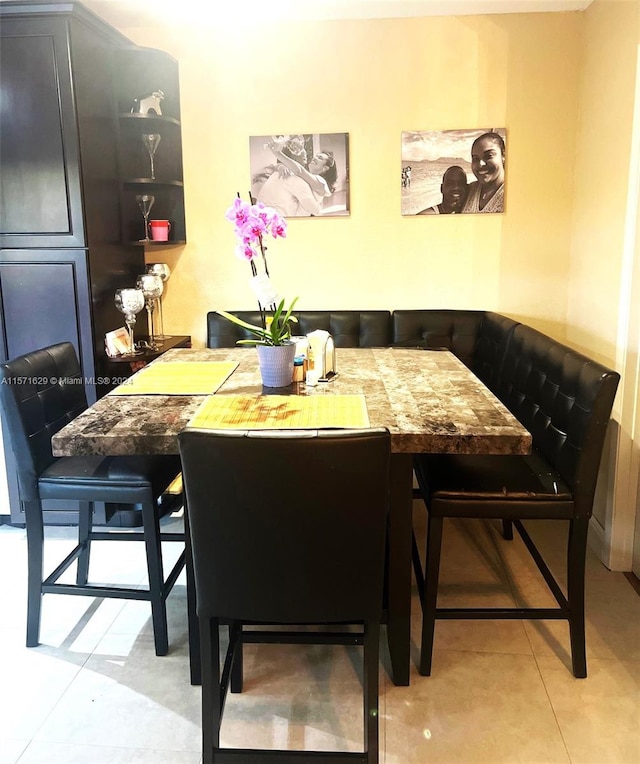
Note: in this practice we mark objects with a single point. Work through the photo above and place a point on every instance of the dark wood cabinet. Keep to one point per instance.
(72, 162)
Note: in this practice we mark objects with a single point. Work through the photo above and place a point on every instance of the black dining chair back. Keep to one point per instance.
(41, 392)
(565, 400)
(286, 528)
(36, 407)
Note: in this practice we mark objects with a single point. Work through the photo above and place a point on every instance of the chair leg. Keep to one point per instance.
(576, 554)
(35, 545)
(192, 616)
(85, 524)
(211, 701)
(237, 668)
(417, 565)
(153, 549)
(507, 530)
(429, 599)
(371, 690)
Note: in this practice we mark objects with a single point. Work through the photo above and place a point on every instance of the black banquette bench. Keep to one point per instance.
(562, 397)
(476, 337)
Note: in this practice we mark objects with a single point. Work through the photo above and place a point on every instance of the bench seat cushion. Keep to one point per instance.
(492, 486)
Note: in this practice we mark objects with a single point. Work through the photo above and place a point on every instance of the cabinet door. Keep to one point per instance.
(44, 299)
(40, 201)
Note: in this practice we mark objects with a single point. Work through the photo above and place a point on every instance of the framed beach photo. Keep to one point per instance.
(448, 172)
(301, 175)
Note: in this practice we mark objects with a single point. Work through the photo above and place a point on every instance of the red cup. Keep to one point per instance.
(159, 230)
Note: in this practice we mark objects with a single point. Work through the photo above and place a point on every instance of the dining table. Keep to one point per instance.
(428, 400)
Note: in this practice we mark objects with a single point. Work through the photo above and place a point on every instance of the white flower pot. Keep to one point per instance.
(276, 364)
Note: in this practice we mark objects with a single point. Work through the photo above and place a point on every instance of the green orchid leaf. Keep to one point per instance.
(240, 322)
(278, 332)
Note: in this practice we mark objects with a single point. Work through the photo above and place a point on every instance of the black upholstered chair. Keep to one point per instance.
(564, 399)
(301, 545)
(40, 392)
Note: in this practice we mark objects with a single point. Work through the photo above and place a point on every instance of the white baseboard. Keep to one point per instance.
(596, 540)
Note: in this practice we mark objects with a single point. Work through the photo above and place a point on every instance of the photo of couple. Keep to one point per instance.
(301, 175)
(453, 171)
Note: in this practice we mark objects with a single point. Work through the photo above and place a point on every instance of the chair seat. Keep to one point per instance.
(111, 478)
(494, 481)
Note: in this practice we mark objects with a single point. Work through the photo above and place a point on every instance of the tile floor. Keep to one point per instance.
(94, 692)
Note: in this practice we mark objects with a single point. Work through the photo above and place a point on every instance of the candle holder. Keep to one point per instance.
(151, 288)
(163, 271)
(130, 302)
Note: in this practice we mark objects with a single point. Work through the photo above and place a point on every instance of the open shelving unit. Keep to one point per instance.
(139, 72)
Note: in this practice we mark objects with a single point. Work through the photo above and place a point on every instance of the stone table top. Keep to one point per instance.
(428, 399)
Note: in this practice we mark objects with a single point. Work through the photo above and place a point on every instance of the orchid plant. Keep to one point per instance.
(251, 224)
(276, 332)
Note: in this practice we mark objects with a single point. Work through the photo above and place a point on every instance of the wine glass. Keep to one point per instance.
(151, 141)
(130, 302)
(162, 270)
(151, 287)
(145, 203)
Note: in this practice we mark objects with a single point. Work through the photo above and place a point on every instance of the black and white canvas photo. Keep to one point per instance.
(448, 172)
(301, 175)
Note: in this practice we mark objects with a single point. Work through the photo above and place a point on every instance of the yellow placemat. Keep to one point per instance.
(178, 378)
(280, 412)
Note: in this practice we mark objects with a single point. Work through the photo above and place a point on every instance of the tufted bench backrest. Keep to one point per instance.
(349, 328)
(492, 341)
(564, 399)
(477, 337)
(455, 330)
(221, 333)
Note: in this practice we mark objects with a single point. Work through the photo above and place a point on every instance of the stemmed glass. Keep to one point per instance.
(163, 271)
(145, 203)
(151, 141)
(130, 302)
(151, 287)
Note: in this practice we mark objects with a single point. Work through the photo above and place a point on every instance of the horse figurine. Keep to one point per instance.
(149, 104)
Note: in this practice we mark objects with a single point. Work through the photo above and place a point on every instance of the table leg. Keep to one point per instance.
(399, 581)
(192, 618)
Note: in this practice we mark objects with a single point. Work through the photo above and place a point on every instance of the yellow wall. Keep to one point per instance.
(601, 316)
(608, 74)
(374, 79)
(563, 84)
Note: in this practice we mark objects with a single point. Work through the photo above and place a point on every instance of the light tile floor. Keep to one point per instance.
(95, 693)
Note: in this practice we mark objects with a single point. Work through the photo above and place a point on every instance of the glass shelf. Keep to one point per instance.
(151, 117)
(157, 244)
(152, 182)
